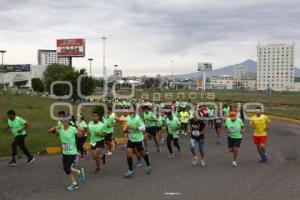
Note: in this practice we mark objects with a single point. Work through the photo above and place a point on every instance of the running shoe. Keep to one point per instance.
(104, 159)
(138, 164)
(234, 163)
(81, 175)
(30, 160)
(158, 150)
(171, 155)
(98, 172)
(203, 163)
(73, 186)
(148, 169)
(129, 174)
(265, 157)
(109, 153)
(12, 163)
(195, 160)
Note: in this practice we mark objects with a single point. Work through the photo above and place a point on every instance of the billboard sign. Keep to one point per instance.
(14, 68)
(70, 47)
(204, 67)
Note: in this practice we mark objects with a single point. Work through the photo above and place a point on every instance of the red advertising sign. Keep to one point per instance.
(70, 47)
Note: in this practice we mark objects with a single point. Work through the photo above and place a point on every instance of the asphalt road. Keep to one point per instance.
(171, 178)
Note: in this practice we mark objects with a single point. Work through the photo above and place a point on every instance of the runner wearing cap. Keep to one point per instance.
(67, 135)
(235, 129)
(261, 124)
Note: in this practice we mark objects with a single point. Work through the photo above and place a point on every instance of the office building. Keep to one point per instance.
(48, 57)
(275, 67)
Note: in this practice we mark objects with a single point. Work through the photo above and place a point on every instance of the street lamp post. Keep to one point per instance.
(90, 59)
(2, 55)
(104, 67)
(172, 63)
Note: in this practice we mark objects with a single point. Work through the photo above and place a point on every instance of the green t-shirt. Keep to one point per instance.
(16, 126)
(226, 111)
(68, 140)
(81, 124)
(108, 124)
(136, 122)
(172, 125)
(234, 127)
(95, 128)
(148, 117)
(160, 121)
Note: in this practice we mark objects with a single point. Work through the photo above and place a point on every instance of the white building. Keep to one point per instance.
(48, 57)
(12, 78)
(240, 72)
(222, 82)
(275, 67)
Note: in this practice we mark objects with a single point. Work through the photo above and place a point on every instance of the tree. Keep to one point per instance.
(37, 85)
(57, 72)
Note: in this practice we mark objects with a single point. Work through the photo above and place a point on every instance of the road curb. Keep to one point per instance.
(57, 150)
(285, 119)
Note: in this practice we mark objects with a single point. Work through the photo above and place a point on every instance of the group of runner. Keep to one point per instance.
(141, 122)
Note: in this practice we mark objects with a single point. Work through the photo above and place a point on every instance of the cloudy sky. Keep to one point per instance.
(143, 36)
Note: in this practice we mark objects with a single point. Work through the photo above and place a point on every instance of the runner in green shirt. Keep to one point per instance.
(97, 141)
(136, 128)
(150, 122)
(108, 129)
(67, 135)
(235, 129)
(173, 127)
(18, 127)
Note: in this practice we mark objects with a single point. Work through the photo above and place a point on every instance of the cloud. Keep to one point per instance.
(143, 36)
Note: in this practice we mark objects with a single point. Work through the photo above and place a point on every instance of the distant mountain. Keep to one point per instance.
(228, 70)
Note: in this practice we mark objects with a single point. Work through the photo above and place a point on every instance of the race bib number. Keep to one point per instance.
(67, 147)
(196, 133)
(233, 129)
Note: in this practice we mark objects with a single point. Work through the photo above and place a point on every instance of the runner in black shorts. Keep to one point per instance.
(218, 126)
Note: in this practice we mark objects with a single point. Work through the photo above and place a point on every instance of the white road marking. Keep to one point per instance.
(172, 193)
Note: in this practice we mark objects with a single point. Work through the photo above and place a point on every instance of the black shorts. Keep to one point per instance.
(98, 145)
(139, 146)
(234, 142)
(158, 128)
(218, 126)
(184, 126)
(68, 162)
(108, 137)
(151, 130)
